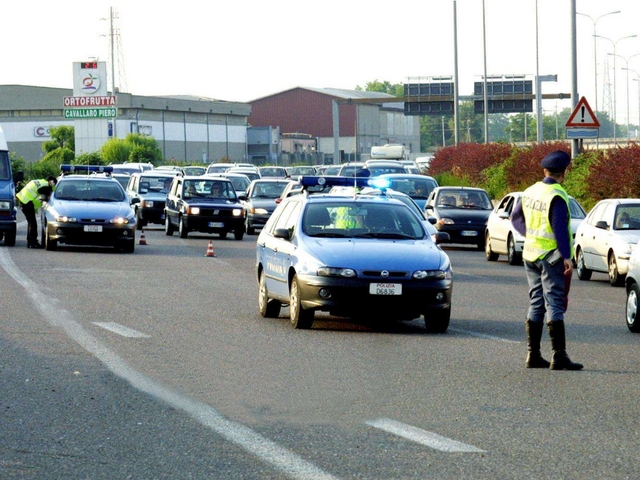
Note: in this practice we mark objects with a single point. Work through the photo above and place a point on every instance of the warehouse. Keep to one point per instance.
(194, 129)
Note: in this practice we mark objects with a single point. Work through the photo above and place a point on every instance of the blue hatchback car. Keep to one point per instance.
(356, 256)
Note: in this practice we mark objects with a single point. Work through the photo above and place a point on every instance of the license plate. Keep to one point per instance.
(385, 288)
(216, 225)
(93, 228)
(469, 233)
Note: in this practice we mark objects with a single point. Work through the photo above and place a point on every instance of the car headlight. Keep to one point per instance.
(65, 219)
(5, 205)
(193, 211)
(446, 221)
(260, 211)
(238, 212)
(147, 203)
(119, 221)
(444, 274)
(336, 272)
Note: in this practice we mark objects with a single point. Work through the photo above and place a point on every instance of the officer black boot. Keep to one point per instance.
(534, 334)
(560, 359)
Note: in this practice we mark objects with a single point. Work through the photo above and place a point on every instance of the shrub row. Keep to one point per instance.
(501, 168)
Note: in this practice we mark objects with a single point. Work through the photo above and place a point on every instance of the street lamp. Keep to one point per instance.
(637, 79)
(626, 62)
(615, 137)
(595, 61)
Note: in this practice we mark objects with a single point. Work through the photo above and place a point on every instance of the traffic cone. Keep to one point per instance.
(210, 252)
(143, 240)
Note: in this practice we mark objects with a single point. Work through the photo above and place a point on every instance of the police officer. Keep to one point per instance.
(543, 217)
(29, 198)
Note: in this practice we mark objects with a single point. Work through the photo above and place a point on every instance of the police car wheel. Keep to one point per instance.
(437, 321)
(268, 308)
(300, 319)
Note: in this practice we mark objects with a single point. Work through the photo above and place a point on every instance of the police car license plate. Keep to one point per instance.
(469, 233)
(385, 288)
(216, 225)
(93, 228)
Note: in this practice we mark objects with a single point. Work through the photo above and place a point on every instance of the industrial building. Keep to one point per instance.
(300, 125)
(351, 120)
(199, 130)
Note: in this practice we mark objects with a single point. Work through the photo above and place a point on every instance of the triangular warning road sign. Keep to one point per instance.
(582, 116)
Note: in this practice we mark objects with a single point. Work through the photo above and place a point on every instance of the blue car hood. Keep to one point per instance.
(375, 254)
(74, 208)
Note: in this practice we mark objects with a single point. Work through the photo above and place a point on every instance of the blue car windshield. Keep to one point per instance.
(362, 220)
(89, 191)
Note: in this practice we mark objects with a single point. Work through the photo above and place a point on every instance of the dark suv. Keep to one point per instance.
(204, 204)
(151, 187)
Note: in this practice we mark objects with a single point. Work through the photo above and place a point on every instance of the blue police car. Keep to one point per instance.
(88, 207)
(356, 255)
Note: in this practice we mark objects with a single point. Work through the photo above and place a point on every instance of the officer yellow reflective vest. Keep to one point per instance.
(536, 202)
(30, 192)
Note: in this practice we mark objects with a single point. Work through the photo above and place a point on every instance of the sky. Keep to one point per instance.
(243, 50)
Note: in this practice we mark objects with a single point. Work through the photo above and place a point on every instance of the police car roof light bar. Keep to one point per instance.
(70, 169)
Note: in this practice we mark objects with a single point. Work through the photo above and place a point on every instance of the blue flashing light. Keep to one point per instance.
(66, 168)
(380, 183)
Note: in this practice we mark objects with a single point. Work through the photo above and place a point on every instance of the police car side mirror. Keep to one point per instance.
(282, 233)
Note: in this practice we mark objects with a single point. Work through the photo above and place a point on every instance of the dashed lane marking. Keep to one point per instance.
(121, 330)
(423, 437)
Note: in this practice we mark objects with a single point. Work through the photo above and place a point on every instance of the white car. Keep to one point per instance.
(606, 239)
(633, 291)
(502, 239)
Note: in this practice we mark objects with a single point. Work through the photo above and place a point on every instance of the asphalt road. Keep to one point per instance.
(158, 365)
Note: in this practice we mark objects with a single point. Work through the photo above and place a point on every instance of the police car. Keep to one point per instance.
(355, 256)
(88, 210)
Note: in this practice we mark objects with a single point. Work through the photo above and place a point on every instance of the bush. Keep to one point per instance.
(615, 174)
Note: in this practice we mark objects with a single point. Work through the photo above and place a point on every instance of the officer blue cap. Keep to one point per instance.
(556, 161)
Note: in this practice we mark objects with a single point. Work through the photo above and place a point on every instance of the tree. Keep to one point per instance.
(115, 150)
(144, 149)
(397, 90)
(61, 137)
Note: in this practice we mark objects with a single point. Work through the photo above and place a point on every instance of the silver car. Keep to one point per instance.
(606, 239)
(502, 239)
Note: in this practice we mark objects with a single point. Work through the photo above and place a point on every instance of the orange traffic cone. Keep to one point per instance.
(210, 252)
(143, 240)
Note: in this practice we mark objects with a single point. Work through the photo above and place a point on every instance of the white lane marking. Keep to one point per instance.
(482, 335)
(429, 439)
(121, 330)
(269, 452)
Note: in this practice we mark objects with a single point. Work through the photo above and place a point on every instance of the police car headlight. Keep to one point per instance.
(336, 272)
(5, 205)
(119, 221)
(238, 212)
(433, 274)
(194, 211)
(65, 219)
